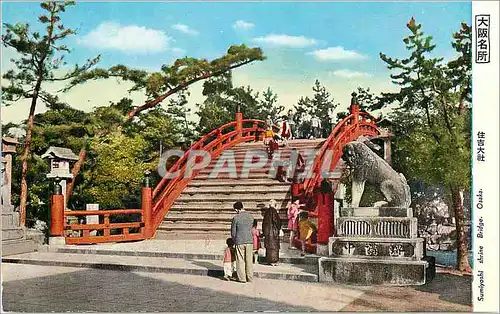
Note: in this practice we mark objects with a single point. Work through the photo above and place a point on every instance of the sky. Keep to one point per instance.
(336, 42)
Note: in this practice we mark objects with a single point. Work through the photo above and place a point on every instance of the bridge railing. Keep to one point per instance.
(349, 129)
(214, 143)
(128, 224)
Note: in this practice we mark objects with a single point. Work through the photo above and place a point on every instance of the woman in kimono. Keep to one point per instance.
(271, 225)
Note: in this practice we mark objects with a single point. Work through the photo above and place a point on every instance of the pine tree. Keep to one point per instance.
(39, 57)
(432, 123)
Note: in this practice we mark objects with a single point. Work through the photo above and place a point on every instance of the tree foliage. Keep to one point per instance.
(321, 105)
(223, 100)
(174, 78)
(432, 123)
(39, 57)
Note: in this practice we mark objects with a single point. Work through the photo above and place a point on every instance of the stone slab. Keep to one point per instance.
(376, 212)
(10, 219)
(12, 233)
(412, 249)
(12, 247)
(160, 264)
(357, 271)
(286, 256)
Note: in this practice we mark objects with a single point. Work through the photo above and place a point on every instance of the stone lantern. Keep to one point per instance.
(60, 159)
(8, 149)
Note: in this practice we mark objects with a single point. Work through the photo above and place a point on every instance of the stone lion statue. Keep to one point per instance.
(369, 167)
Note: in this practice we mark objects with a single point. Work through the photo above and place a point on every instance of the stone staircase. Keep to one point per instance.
(14, 239)
(205, 207)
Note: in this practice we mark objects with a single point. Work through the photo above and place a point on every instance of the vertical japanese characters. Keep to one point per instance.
(482, 38)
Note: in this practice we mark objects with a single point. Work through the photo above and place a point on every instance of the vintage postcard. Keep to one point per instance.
(227, 156)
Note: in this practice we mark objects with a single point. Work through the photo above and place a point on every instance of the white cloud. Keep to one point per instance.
(129, 38)
(286, 41)
(350, 74)
(178, 51)
(185, 29)
(337, 53)
(240, 24)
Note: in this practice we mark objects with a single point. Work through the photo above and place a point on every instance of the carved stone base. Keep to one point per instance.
(358, 271)
(376, 212)
(409, 249)
(376, 227)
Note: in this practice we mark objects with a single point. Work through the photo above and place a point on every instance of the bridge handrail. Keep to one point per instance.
(214, 142)
(351, 127)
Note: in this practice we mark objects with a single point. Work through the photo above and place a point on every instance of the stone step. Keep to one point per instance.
(207, 217)
(284, 258)
(198, 226)
(258, 175)
(18, 246)
(169, 235)
(239, 168)
(217, 207)
(262, 197)
(12, 233)
(159, 264)
(236, 190)
(234, 183)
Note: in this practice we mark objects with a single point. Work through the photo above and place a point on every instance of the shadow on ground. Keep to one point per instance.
(445, 293)
(451, 288)
(121, 291)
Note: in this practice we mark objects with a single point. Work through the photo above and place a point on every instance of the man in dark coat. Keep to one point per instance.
(271, 225)
(241, 234)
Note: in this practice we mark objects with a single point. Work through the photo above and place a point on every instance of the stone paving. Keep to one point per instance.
(32, 288)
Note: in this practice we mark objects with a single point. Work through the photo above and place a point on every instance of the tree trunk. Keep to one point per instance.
(75, 171)
(462, 245)
(24, 157)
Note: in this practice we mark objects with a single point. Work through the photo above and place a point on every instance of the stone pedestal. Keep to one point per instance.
(14, 239)
(376, 246)
(92, 219)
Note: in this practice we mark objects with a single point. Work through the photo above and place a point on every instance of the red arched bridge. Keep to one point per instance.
(190, 182)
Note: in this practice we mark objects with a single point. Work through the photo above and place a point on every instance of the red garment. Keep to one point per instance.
(256, 240)
(227, 255)
(285, 129)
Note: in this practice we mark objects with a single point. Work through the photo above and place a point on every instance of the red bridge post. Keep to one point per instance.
(239, 123)
(147, 207)
(354, 109)
(57, 216)
(147, 211)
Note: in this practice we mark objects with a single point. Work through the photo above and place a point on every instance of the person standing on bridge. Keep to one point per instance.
(241, 233)
(316, 127)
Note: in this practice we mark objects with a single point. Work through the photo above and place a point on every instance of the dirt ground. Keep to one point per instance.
(445, 293)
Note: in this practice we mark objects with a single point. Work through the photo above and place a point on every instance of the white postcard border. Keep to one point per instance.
(485, 174)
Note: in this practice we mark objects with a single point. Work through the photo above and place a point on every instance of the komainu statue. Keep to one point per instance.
(369, 167)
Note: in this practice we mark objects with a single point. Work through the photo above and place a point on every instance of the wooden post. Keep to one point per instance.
(147, 213)
(57, 216)
(239, 124)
